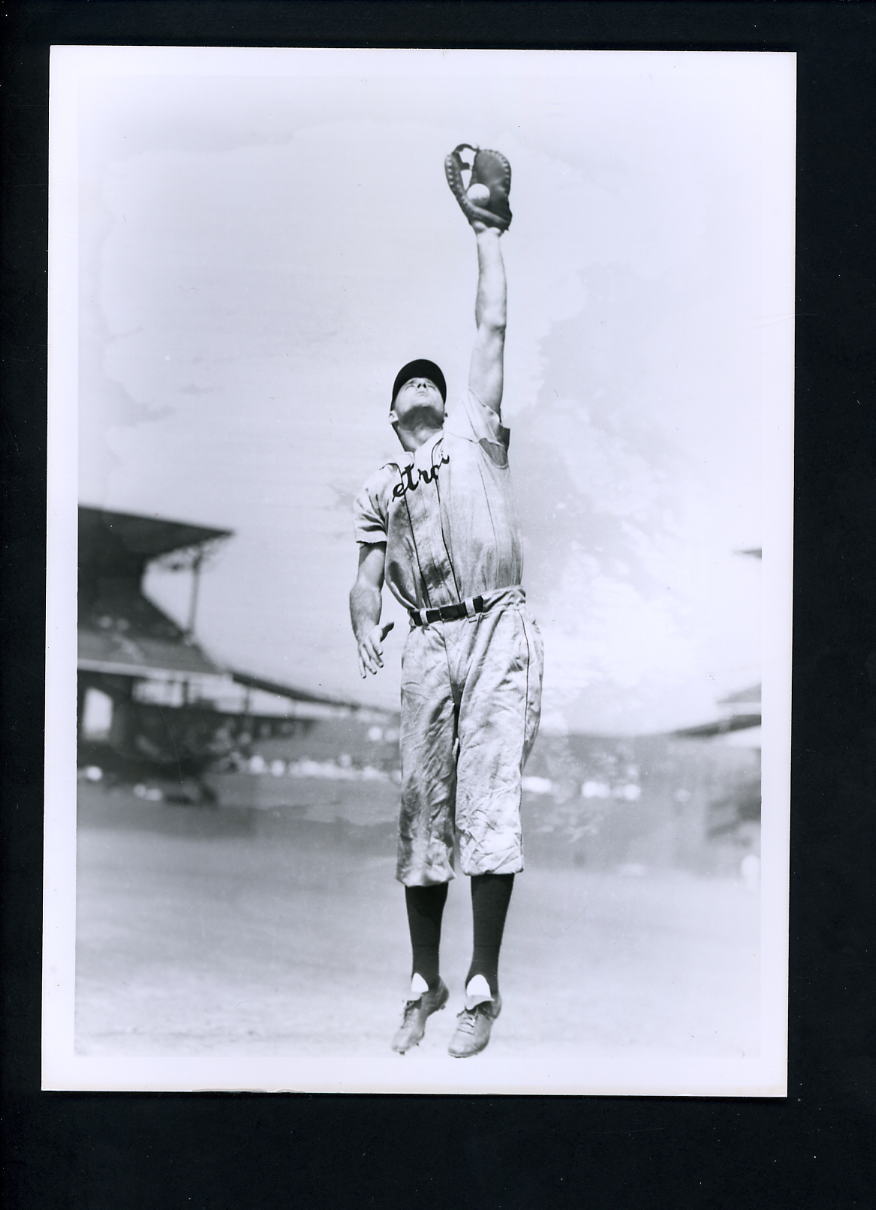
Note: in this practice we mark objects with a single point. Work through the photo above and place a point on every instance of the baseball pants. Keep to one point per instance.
(471, 702)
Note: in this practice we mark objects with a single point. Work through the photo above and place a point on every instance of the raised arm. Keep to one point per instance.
(486, 373)
(365, 606)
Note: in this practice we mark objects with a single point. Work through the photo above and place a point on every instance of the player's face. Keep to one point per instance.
(418, 400)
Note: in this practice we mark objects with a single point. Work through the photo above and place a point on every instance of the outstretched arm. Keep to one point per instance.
(486, 373)
(365, 605)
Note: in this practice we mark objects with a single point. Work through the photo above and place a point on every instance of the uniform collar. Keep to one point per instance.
(421, 456)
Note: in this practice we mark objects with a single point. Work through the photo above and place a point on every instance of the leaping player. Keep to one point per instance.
(438, 525)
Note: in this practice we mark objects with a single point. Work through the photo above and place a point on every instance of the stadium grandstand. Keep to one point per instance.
(149, 696)
(123, 636)
(736, 812)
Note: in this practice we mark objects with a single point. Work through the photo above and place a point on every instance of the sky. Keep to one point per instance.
(263, 237)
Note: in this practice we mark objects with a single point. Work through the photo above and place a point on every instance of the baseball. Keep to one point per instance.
(478, 194)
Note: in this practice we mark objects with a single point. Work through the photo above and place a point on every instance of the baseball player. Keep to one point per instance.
(437, 523)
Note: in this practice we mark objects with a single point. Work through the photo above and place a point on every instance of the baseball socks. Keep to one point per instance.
(425, 908)
(428, 992)
(490, 896)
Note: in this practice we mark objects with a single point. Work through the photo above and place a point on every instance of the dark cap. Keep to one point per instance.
(420, 369)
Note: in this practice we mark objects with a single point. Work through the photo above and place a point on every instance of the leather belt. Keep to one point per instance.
(448, 613)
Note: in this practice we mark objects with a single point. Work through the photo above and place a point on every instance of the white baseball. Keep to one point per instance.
(478, 194)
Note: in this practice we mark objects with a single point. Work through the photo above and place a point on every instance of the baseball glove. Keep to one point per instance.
(485, 198)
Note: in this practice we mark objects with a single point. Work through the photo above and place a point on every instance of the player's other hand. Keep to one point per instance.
(371, 649)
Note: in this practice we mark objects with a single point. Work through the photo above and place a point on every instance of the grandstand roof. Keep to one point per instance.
(722, 726)
(144, 536)
(744, 713)
(743, 696)
(293, 693)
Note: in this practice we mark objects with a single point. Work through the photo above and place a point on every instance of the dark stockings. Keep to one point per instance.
(425, 905)
(490, 895)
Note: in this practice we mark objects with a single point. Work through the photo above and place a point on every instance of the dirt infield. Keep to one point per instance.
(230, 932)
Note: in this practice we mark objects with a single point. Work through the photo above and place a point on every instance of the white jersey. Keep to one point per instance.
(446, 512)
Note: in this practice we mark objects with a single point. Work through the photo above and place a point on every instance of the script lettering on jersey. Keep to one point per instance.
(410, 482)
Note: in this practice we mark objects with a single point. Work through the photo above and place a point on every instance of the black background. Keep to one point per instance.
(104, 1150)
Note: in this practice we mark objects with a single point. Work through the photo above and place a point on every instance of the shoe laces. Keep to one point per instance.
(469, 1016)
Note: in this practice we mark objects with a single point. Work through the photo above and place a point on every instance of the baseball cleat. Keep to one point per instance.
(474, 1023)
(419, 1006)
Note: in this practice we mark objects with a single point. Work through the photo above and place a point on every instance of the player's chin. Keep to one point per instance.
(426, 413)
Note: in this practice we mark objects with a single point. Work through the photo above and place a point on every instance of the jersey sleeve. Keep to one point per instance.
(469, 418)
(369, 514)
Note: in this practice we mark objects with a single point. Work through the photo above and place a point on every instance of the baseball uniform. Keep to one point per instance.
(471, 687)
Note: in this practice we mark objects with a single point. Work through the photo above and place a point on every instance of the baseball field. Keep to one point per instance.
(221, 932)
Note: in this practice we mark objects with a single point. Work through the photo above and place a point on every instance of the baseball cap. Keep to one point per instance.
(421, 368)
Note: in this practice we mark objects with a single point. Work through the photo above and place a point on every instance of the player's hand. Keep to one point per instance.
(371, 649)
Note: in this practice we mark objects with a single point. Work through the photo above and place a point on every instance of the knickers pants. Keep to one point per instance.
(471, 702)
